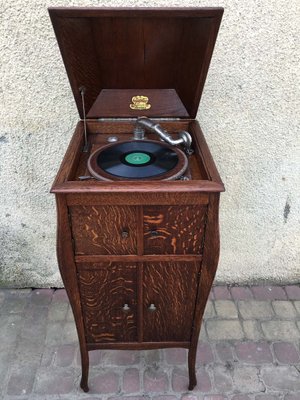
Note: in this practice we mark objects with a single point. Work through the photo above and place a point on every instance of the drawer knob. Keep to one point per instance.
(152, 307)
(154, 233)
(125, 234)
(126, 307)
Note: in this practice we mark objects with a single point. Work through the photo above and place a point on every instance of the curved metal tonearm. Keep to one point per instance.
(143, 123)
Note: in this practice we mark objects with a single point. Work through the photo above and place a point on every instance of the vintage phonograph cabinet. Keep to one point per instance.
(137, 255)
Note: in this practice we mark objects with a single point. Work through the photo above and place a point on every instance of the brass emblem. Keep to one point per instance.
(140, 103)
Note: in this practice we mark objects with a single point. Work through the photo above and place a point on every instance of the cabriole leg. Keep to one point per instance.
(192, 371)
(84, 369)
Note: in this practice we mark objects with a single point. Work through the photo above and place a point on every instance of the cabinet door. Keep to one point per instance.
(170, 291)
(174, 229)
(104, 229)
(108, 299)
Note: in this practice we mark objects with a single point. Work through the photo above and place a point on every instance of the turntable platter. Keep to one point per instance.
(137, 160)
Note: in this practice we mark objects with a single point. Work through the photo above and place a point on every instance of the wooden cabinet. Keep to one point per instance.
(137, 257)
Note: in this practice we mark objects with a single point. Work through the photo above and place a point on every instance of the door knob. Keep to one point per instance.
(152, 307)
(126, 307)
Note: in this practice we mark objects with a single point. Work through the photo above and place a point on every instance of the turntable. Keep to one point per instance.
(137, 192)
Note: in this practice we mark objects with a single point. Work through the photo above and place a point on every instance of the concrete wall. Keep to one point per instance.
(249, 113)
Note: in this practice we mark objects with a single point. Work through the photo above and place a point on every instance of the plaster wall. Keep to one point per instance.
(249, 113)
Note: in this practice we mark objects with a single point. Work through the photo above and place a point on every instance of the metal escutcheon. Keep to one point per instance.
(125, 234)
(152, 307)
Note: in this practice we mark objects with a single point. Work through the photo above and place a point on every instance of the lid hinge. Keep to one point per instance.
(82, 91)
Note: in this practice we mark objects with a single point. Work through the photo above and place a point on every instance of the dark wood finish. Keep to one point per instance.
(104, 230)
(137, 48)
(116, 103)
(174, 229)
(105, 293)
(172, 288)
(123, 246)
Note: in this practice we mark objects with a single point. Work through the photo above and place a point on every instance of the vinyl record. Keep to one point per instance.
(137, 160)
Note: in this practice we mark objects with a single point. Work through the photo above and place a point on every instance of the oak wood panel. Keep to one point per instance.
(174, 229)
(104, 291)
(116, 103)
(137, 346)
(172, 288)
(82, 260)
(104, 230)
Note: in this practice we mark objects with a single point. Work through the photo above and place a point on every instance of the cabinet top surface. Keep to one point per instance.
(118, 54)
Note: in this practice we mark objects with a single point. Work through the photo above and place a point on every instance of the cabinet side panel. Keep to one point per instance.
(108, 297)
(171, 288)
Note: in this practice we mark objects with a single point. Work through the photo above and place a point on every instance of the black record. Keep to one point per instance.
(137, 159)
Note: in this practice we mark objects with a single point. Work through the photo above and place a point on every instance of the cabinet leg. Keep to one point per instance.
(84, 370)
(192, 371)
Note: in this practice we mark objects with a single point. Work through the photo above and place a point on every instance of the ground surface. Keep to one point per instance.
(248, 350)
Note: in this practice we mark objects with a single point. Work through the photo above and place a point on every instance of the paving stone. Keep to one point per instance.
(203, 381)
(21, 381)
(180, 380)
(281, 378)
(211, 295)
(2, 297)
(266, 396)
(292, 396)
(48, 356)
(28, 352)
(241, 293)
(214, 397)
(69, 333)
(224, 352)
(293, 292)
(155, 380)
(284, 309)
(253, 309)
(128, 398)
(280, 330)
(51, 381)
(240, 397)
(106, 382)
(254, 353)
(152, 357)
(95, 357)
(6, 356)
(204, 354)
(13, 305)
(209, 310)
(167, 397)
(286, 353)
(226, 309)
(247, 379)
(35, 323)
(58, 311)
(251, 329)
(221, 293)
(65, 355)
(224, 329)
(203, 336)
(10, 327)
(297, 306)
(41, 297)
(268, 293)
(70, 316)
(120, 357)
(189, 397)
(131, 380)
(175, 356)
(54, 336)
(222, 379)
(60, 295)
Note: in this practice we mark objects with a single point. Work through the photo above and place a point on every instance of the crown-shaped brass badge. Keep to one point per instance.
(140, 103)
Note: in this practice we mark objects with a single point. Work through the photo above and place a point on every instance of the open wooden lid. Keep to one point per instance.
(117, 54)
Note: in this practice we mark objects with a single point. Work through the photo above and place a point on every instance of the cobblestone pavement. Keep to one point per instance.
(248, 350)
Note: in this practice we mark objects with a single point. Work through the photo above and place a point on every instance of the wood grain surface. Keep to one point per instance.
(104, 292)
(174, 229)
(104, 230)
(172, 288)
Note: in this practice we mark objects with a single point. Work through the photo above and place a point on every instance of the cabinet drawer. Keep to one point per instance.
(170, 291)
(104, 229)
(174, 229)
(108, 299)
